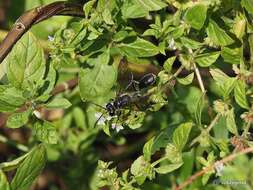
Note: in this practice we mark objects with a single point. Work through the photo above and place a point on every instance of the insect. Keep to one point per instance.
(124, 100)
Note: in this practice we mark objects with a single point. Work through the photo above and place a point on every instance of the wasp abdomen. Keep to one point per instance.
(147, 80)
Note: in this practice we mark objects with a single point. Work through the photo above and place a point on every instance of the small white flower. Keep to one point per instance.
(219, 167)
(117, 127)
(37, 114)
(172, 44)
(50, 38)
(100, 119)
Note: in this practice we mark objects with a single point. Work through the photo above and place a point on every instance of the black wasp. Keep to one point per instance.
(122, 101)
(125, 100)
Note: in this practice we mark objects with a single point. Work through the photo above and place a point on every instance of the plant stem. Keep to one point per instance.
(21, 147)
(34, 16)
(3, 34)
(158, 161)
(217, 117)
(211, 167)
(201, 84)
(177, 72)
(244, 134)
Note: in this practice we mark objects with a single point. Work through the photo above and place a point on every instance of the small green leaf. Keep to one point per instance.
(139, 48)
(169, 63)
(107, 16)
(190, 43)
(155, 143)
(181, 134)
(224, 82)
(141, 169)
(248, 5)
(240, 94)
(49, 83)
(132, 10)
(151, 5)
(196, 16)
(207, 59)
(11, 98)
(217, 35)
(17, 120)
(186, 80)
(30, 168)
(79, 117)
(164, 169)
(199, 109)
(97, 81)
(231, 55)
(58, 103)
(230, 121)
(121, 35)
(45, 132)
(88, 7)
(26, 63)
(135, 120)
(173, 154)
(239, 27)
(11, 165)
(4, 184)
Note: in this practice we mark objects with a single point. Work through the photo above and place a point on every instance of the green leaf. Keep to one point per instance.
(217, 35)
(169, 63)
(30, 168)
(97, 81)
(58, 103)
(151, 5)
(49, 82)
(188, 166)
(141, 169)
(107, 17)
(199, 109)
(11, 165)
(181, 134)
(230, 121)
(225, 83)
(139, 48)
(79, 117)
(4, 184)
(133, 10)
(239, 27)
(190, 43)
(45, 132)
(26, 63)
(207, 59)
(88, 7)
(248, 5)
(173, 154)
(155, 143)
(11, 98)
(196, 16)
(186, 80)
(164, 169)
(240, 94)
(17, 120)
(231, 55)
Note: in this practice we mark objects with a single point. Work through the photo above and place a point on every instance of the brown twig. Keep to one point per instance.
(65, 86)
(34, 16)
(211, 167)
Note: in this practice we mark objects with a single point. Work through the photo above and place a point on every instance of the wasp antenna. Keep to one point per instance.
(97, 105)
(98, 119)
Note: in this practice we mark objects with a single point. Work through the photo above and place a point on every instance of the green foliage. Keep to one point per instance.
(30, 168)
(169, 131)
